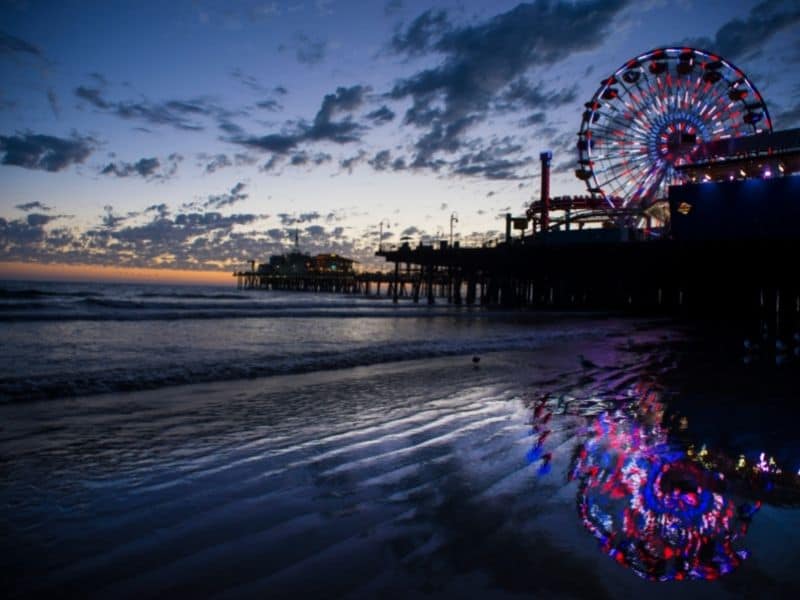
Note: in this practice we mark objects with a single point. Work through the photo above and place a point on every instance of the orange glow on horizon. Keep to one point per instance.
(59, 272)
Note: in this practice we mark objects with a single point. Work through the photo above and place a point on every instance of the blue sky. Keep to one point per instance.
(199, 134)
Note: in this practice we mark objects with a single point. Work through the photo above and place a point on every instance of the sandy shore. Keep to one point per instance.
(404, 479)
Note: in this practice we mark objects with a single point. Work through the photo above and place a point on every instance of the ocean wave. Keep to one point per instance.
(40, 387)
(191, 296)
(110, 309)
(32, 294)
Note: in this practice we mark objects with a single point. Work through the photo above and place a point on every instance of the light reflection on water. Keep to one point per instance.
(656, 505)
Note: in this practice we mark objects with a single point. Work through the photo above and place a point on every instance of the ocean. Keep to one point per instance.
(76, 339)
(214, 442)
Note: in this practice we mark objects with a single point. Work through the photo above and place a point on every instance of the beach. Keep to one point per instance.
(435, 477)
(402, 479)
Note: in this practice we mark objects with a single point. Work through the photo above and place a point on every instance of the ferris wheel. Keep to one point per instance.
(652, 116)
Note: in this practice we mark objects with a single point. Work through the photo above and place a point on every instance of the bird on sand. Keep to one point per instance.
(586, 363)
(475, 361)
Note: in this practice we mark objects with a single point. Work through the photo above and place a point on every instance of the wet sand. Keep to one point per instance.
(411, 479)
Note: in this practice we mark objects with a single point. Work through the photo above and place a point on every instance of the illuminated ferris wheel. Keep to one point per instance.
(653, 114)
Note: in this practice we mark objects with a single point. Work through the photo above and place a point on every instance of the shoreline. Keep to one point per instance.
(413, 477)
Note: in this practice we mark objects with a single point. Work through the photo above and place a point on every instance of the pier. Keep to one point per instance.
(721, 245)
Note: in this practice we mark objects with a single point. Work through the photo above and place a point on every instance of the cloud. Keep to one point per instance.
(789, 117)
(190, 239)
(323, 128)
(381, 161)
(270, 105)
(29, 206)
(523, 94)
(308, 51)
(236, 194)
(484, 66)
(420, 36)
(381, 115)
(14, 45)
(180, 114)
(746, 37)
(52, 100)
(347, 164)
(411, 231)
(217, 162)
(294, 219)
(146, 168)
(44, 152)
(303, 158)
(161, 209)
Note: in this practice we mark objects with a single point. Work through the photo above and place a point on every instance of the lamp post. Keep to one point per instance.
(380, 235)
(453, 219)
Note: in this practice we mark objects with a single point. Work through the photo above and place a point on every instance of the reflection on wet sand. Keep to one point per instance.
(334, 485)
(655, 504)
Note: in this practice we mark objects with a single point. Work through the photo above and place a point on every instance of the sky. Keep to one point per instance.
(197, 135)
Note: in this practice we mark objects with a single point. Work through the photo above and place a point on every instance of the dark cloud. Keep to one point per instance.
(350, 162)
(270, 105)
(323, 128)
(298, 159)
(274, 142)
(382, 115)
(484, 66)
(276, 234)
(410, 231)
(249, 81)
(381, 161)
(236, 194)
(189, 240)
(294, 219)
(144, 167)
(16, 234)
(217, 162)
(161, 209)
(147, 168)
(29, 206)
(345, 99)
(214, 162)
(789, 117)
(110, 220)
(44, 152)
(421, 34)
(315, 231)
(272, 163)
(443, 136)
(489, 166)
(523, 94)
(746, 37)
(39, 220)
(14, 45)
(536, 118)
(308, 51)
(52, 100)
(304, 158)
(186, 115)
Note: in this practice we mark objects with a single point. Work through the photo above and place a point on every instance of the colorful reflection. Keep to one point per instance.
(653, 508)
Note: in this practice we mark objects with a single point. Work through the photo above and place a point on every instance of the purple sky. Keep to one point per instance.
(199, 134)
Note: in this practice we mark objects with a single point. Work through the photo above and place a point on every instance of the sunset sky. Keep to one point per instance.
(195, 135)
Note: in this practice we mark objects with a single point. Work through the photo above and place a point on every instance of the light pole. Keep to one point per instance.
(380, 235)
(453, 219)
